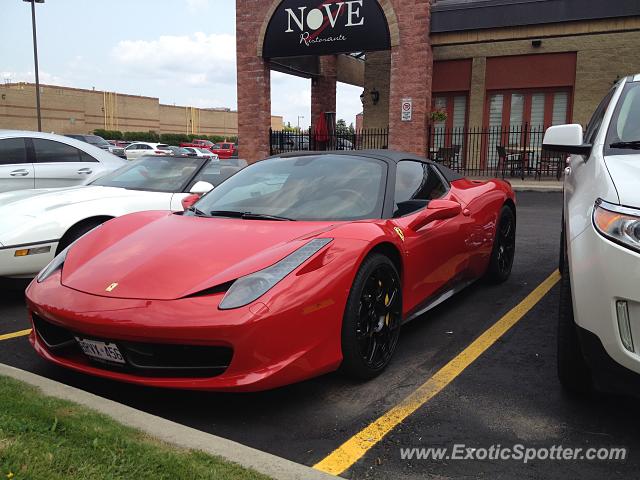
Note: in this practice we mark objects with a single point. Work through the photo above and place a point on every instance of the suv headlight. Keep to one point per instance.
(251, 287)
(617, 223)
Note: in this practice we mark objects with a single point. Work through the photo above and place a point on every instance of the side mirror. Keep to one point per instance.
(190, 200)
(200, 188)
(566, 139)
(436, 210)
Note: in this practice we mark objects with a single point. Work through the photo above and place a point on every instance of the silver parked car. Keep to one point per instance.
(43, 160)
(98, 141)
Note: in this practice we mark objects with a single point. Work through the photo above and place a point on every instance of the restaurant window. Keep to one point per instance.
(520, 118)
(537, 108)
(449, 132)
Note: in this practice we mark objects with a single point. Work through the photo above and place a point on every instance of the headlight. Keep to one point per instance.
(619, 224)
(248, 289)
(58, 262)
(54, 265)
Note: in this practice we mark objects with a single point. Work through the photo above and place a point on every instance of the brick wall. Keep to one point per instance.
(411, 72)
(70, 110)
(254, 81)
(377, 75)
(323, 88)
(601, 58)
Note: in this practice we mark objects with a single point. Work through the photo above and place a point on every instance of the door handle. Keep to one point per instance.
(85, 171)
(19, 173)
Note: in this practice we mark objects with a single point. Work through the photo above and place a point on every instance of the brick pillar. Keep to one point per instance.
(411, 75)
(254, 83)
(323, 88)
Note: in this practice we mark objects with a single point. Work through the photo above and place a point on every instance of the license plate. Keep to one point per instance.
(106, 352)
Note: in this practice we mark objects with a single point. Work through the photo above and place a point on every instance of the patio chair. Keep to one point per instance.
(550, 162)
(449, 156)
(513, 162)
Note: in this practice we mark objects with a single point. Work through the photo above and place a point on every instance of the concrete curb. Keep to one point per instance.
(171, 432)
(537, 188)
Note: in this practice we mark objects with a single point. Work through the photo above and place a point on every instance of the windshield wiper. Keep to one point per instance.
(248, 215)
(634, 145)
(196, 211)
(261, 216)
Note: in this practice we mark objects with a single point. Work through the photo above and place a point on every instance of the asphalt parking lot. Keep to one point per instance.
(508, 396)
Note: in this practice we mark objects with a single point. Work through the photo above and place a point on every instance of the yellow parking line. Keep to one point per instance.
(357, 446)
(21, 333)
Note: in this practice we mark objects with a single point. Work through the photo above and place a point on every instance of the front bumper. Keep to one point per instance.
(26, 266)
(607, 374)
(295, 338)
(603, 273)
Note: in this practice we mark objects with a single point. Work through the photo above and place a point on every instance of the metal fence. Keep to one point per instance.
(301, 140)
(513, 151)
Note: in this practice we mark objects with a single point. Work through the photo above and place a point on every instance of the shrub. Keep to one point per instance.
(149, 136)
(174, 138)
(108, 134)
(168, 138)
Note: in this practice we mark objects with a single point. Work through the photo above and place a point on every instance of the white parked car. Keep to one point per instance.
(201, 152)
(140, 149)
(44, 160)
(599, 317)
(35, 225)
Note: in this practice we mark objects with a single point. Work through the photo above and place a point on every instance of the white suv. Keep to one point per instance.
(43, 160)
(599, 316)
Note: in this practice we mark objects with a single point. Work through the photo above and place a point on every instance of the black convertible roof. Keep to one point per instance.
(390, 156)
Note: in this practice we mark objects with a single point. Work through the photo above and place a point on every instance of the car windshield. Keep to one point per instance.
(95, 140)
(178, 150)
(153, 174)
(318, 187)
(624, 130)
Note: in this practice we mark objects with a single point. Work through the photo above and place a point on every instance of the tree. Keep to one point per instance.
(352, 130)
(341, 126)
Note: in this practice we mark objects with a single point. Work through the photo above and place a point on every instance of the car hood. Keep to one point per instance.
(19, 209)
(160, 256)
(625, 172)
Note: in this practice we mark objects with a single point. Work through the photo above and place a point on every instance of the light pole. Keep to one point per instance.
(299, 117)
(35, 58)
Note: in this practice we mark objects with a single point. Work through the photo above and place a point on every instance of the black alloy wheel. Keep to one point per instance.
(371, 326)
(504, 247)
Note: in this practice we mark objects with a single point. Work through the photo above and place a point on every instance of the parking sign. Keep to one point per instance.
(407, 109)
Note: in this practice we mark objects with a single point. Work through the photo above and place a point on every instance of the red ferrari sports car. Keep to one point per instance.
(295, 266)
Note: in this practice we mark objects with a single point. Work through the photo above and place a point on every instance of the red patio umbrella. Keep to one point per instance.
(321, 132)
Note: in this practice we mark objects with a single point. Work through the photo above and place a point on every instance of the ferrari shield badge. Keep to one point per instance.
(111, 287)
(400, 233)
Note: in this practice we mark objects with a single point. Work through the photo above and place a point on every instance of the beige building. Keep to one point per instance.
(74, 110)
(497, 63)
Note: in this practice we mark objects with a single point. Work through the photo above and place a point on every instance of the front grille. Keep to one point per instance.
(53, 336)
(143, 359)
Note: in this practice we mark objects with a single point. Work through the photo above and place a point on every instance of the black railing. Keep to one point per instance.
(300, 140)
(514, 151)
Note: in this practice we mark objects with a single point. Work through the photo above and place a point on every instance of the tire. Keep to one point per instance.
(573, 372)
(372, 319)
(504, 247)
(561, 257)
(76, 232)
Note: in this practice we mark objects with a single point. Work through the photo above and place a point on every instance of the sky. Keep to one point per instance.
(181, 51)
